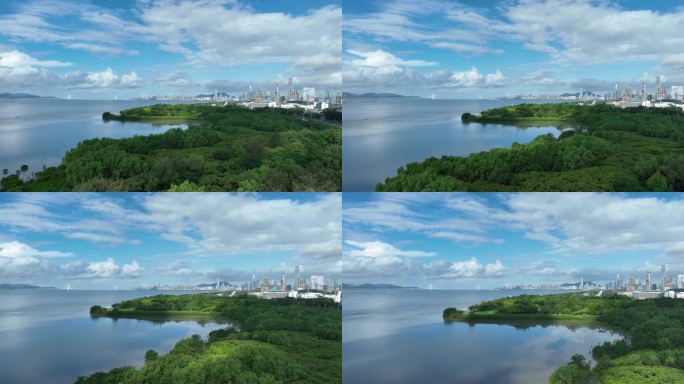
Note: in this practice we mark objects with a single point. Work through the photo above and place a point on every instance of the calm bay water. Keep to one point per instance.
(398, 336)
(382, 134)
(49, 337)
(38, 132)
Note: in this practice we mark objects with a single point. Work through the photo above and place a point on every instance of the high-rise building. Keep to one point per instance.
(277, 96)
(663, 272)
(648, 282)
(644, 96)
(309, 94)
(317, 282)
(680, 281)
(660, 90)
(282, 281)
(292, 92)
(677, 92)
(298, 277)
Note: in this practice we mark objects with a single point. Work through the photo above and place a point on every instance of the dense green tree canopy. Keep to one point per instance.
(652, 350)
(225, 148)
(607, 149)
(269, 341)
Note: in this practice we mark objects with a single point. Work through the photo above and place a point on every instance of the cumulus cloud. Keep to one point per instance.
(20, 260)
(308, 44)
(19, 69)
(106, 269)
(562, 231)
(379, 68)
(380, 259)
(626, 35)
(248, 223)
(103, 79)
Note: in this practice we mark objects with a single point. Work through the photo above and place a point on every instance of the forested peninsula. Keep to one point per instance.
(268, 341)
(601, 148)
(224, 148)
(651, 352)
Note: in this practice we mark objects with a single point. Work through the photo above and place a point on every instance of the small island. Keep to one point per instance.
(224, 148)
(600, 148)
(651, 352)
(267, 341)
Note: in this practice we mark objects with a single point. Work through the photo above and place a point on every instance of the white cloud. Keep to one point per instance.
(379, 68)
(383, 60)
(15, 249)
(106, 269)
(21, 260)
(248, 223)
(20, 60)
(626, 35)
(378, 259)
(379, 249)
(103, 79)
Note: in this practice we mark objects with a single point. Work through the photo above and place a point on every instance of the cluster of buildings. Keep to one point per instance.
(650, 287)
(305, 98)
(293, 97)
(301, 287)
(662, 97)
(316, 286)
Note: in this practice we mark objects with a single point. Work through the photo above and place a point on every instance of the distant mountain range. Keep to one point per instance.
(22, 96)
(22, 286)
(375, 286)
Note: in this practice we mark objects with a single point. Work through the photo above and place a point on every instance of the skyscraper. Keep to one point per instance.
(282, 281)
(317, 282)
(298, 276)
(292, 92)
(660, 93)
(277, 96)
(644, 96)
(309, 94)
(663, 272)
(648, 282)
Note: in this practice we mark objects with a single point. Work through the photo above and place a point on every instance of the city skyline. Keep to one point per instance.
(464, 241)
(103, 241)
(471, 49)
(135, 48)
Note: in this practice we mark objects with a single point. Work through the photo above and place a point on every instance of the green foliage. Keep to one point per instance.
(642, 374)
(653, 329)
(452, 314)
(270, 341)
(151, 355)
(610, 149)
(186, 186)
(223, 149)
(578, 371)
(98, 310)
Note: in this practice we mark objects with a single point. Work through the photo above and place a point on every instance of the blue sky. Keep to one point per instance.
(132, 239)
(489, 48)
(103, 49)
(460, 240)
